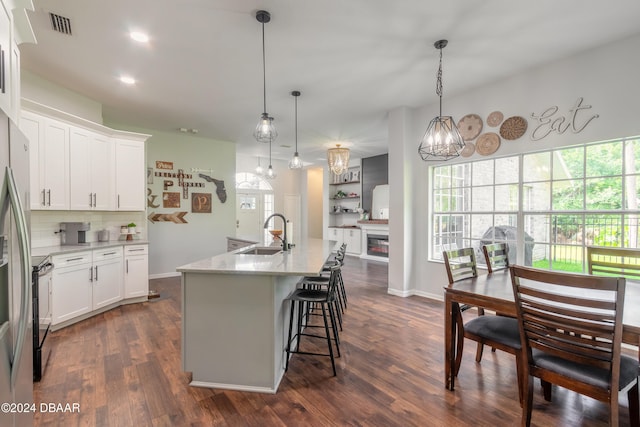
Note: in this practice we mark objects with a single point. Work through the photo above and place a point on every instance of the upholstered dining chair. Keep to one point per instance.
(496, 331)
(571, 331)
(607, 261)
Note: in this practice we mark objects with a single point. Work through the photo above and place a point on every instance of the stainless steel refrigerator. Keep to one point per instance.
(16, 345)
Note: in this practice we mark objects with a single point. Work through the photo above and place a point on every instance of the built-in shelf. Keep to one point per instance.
(344, 197)
(346, 182)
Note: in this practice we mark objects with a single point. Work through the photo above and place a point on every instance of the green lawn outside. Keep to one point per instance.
(572, 267)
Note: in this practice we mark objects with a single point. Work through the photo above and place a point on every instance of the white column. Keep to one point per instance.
(402, 206)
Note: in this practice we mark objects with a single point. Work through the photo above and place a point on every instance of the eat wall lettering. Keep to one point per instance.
(549, 121)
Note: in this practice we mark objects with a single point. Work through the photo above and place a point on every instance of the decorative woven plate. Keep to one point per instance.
(468, 150)
(513, 128)
(487, 143)
(470, 126)
(495, 118)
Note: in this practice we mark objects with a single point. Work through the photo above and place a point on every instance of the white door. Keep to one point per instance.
(249, 225)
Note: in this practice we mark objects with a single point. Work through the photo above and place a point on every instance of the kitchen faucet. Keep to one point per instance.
(285, 247)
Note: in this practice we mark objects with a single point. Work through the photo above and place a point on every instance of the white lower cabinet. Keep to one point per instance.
(107, 277)
(136, 271)
(83, 282)
(353, 238)
(71, 292)
(336, 234)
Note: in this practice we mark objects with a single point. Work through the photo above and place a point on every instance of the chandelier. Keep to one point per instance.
(338, 159)
(442, 140)
(265, 130)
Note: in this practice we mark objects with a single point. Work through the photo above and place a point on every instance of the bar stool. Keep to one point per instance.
(325, 298)
(320, 283)
(339, 256)
(324, 279)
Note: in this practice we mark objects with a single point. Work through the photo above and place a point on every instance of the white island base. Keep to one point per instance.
(234, 318)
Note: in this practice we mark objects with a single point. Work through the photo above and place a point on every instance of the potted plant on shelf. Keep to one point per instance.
(131, 228)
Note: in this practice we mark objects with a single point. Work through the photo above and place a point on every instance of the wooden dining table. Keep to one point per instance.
(494, 292)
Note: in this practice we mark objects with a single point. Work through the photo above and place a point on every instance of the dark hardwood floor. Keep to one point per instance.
(123, 368)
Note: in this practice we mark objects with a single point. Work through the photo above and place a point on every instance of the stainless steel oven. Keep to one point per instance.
(41, 291)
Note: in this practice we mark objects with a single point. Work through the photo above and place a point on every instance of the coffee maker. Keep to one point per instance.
(74, 233)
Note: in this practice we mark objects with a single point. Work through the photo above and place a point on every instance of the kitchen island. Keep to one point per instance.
(234, 320)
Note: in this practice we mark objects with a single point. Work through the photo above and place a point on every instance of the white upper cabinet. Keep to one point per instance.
(130, 175)
(5, 55)
(49, 161)
(79, 165)
(15, 29)
(90, 170)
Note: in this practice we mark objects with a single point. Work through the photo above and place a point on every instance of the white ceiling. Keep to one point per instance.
(353, 60)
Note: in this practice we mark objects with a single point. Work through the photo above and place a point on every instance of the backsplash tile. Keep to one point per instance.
(45, 225)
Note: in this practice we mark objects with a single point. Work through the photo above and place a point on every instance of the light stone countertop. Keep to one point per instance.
(61, 249)
(304, 259)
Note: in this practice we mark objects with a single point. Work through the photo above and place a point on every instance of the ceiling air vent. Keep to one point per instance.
(60, 24)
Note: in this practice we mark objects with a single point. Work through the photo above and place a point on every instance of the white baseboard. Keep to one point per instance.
(164, 275)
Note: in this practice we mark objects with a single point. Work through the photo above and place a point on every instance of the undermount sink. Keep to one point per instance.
(267, 250)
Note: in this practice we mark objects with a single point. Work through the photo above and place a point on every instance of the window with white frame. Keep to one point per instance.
(547, 206)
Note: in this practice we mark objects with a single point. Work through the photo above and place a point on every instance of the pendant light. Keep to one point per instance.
(338, 159)
(265, 131)
(295, 162)
(270, 174)
(259, 168)
(442, 140)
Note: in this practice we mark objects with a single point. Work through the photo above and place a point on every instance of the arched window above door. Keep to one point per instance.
(251, 181)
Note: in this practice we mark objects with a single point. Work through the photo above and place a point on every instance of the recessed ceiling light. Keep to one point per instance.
(139, 37)
(127, 80)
